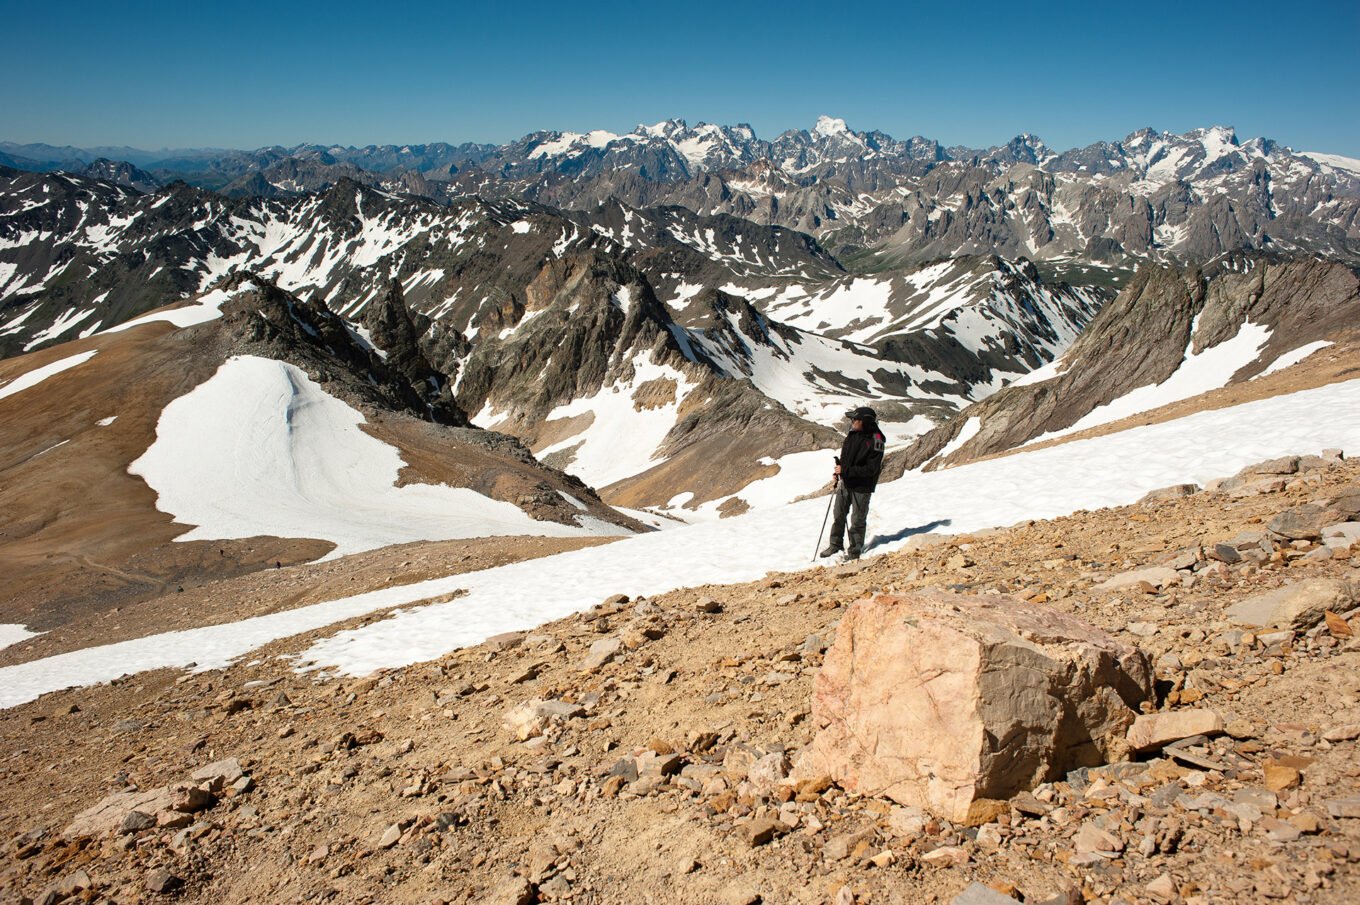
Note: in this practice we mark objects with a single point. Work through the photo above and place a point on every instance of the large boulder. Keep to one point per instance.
(945, 702)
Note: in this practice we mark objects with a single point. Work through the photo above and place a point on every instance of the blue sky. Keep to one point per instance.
(249, 74)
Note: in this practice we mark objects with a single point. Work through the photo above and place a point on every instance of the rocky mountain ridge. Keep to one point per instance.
(1170, 334)
(1152, 195)
(521, 310)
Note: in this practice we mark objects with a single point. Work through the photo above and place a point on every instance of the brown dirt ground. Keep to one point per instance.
(479, 812)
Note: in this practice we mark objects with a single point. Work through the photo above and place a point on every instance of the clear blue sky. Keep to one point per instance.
(249, 74)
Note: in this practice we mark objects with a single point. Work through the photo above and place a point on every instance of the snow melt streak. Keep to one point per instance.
(38, 375)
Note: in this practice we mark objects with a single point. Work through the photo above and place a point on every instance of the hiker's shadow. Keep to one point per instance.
(879, 540)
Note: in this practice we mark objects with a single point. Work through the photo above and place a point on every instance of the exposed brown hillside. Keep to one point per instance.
(80, 537)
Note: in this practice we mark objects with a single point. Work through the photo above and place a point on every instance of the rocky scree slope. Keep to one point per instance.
(643, 747)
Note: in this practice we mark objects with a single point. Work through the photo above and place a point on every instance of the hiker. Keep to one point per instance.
(857, 472)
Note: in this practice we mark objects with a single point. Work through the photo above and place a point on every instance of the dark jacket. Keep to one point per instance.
(862, 458)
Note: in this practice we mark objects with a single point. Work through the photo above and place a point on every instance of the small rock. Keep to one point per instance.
(838, 848)
(74, 882)
(135, 822)
(219, 773)
(1156, 576)
(601, 652)
(1342, 534)
(505, 640)
(1337, 627)
(1281, 466)
(1225, 553)
(977, 894)
(1184, 559)
(763, 830)
(1162, 889)
(1348, 733)
(884, 859)
(1348, 807)
(390, 836)
(1301, 605)
(989, 837)
(161, 881)
(1278, 830)
(1279, 777)
(512, 891)
(1306, 822)
(740, 892)
(946, 856)
(1092, 839)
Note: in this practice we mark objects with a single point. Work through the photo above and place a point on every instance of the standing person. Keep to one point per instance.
(858, 468)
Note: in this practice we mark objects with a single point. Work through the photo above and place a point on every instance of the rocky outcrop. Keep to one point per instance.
(122, 173)
(264, 319)
(581, 325)
(942, 702)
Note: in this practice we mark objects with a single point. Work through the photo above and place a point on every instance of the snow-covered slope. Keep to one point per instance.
(1105, 471)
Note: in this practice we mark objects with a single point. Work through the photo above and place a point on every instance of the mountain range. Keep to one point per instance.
(679, 316)
(1150, 195)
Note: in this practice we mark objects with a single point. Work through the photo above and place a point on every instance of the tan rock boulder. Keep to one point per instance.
(1301, 605)
(942, 701)
(108, 815)
(1153, 730)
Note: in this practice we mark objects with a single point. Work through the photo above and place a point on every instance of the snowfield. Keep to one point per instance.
(1103, 471)
(259, 449)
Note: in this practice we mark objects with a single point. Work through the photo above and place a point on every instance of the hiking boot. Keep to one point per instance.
(850, 557)
(829, 551)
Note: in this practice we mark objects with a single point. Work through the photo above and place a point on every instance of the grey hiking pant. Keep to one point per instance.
(856, 504)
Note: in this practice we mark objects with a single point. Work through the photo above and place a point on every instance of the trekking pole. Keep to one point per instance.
(835, 481)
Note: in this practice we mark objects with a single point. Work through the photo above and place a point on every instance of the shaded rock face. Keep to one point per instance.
(395, 332)
(268, 321)
(941, 701)
(1142, 337)
(122, 173)
(592, 315)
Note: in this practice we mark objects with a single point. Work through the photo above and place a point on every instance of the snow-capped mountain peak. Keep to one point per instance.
(828, 126)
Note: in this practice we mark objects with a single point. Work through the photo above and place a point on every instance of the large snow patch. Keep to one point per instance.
(259, 449)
